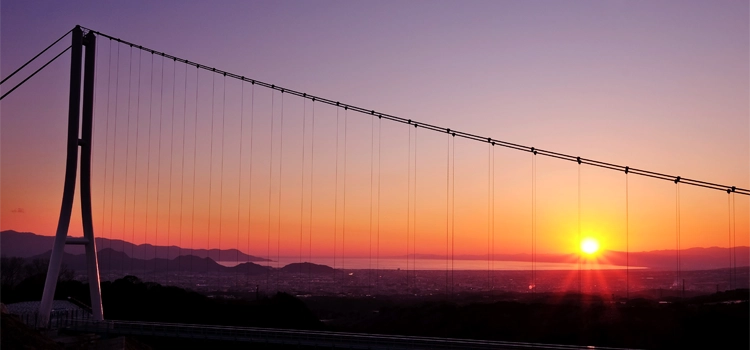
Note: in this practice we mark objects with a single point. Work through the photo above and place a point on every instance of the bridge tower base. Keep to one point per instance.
(80, 114)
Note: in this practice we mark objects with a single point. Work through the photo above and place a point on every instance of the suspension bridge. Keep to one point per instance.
(213, 180)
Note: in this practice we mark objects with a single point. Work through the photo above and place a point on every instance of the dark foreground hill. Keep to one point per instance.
(17, 335)
(717, 321)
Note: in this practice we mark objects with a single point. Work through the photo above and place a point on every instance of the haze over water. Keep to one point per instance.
(433, 264)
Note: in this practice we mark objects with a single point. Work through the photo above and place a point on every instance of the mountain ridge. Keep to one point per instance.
(23, 244)
(110, 259)
(29, 244)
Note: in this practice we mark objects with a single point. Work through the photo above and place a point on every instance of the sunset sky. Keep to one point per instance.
(662, 86)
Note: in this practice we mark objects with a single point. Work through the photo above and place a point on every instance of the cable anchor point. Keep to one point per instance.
(578, 159)
(676, 180)
(627, 169)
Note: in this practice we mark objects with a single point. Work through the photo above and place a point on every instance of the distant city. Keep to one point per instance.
(252, 275)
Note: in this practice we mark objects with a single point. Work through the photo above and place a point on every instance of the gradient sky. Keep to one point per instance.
(661, 86)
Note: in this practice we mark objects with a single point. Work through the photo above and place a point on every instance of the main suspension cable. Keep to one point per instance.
(445, 130)
(35, 72)
(37, 56)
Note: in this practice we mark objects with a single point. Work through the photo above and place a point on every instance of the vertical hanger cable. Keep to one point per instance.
(171, 163)
(114, 163)
(135, 180)
(127, 151)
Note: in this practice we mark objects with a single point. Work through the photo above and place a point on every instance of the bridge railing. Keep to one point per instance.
(297, 337)
(58, 319)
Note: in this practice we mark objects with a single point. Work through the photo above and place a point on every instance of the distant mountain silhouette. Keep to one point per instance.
(691, 258)
(27, 244)
(113, 260)
(307, 267)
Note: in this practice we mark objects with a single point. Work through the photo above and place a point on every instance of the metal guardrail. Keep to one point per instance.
(298, 337)
(58, 318)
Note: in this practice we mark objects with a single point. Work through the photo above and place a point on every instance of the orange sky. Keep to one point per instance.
(652, 202)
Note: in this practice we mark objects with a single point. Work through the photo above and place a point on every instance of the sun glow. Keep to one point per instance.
(589, 246)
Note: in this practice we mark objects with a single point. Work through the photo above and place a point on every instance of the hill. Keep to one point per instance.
(113, 260)
(28, 244)
(17, 335)
(306, 267)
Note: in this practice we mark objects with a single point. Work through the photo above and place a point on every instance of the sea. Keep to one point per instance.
(429, 264)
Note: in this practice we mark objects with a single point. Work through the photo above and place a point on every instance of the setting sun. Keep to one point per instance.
(589, 246)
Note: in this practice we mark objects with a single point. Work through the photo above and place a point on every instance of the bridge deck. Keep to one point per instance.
(299, 337)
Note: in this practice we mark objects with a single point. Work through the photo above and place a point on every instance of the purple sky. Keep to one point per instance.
(657, 85)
